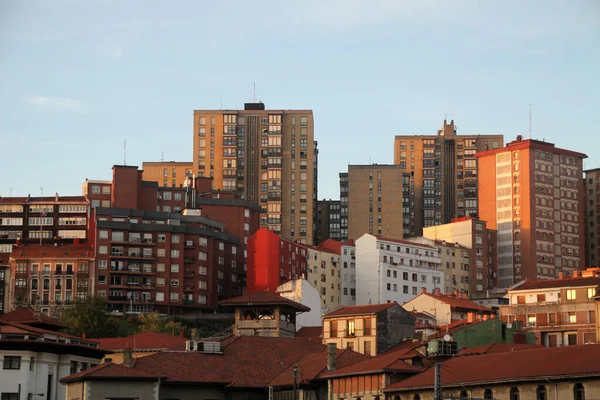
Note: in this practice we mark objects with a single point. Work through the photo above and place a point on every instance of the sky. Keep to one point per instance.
(78, 78)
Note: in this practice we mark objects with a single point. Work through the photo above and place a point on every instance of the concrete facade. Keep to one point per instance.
(324, 273)
(303, 292)
(167, 173)
(348, 260)
(328, 219)
(390, 270)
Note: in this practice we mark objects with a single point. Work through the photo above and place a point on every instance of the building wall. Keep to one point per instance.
(348, 260)
(534, 193)
(592, 216)
(167, 173)
(443, 174)
(367, 387)
(487, 332)
(390, 274)
(427, 304)
(34, 379)
(101, 390)
(394, 325)
(343, 206)
(375, 201)
(4, 288)
(324, 272)
(328, 220)
(301, 291)
(361, 340)
(247, 150)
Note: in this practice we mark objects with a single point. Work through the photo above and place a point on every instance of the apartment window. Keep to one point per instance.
(540, 393)
(531, 320)
(12, 362)
(351, 327)
(591, 292)
(571, 294)
(572, 317)
(367, 327)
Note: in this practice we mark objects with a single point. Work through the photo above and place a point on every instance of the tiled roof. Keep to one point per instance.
(405, 242)
(144, 341)
(457, 302)
(359, 310)
(236, 367)
(111, 371)
(27, 316)
(312, 333)
(557, 283)
(494, 348)
(388, 361)
(511, 365)
(331, 245)
(264, 298)
(321, 249)
(63, 251)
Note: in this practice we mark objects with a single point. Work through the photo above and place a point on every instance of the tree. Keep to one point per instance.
(153, 322)
(89, 316)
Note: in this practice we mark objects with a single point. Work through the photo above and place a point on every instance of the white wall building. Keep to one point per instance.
(303, 292)
(394, 270)
(348, 275)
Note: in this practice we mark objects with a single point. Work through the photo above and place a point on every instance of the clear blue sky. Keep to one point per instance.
(78, 77)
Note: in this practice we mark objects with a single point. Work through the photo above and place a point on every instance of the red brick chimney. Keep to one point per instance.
(436, 292)
(560, 275)
(455, 292)
(423, 290)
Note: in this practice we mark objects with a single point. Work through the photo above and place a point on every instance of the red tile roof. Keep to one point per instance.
(62, 251)
(457, 302)
(322, 249)
(494, 348)
(513, 365)
(32, 330)
(144, 341)
(235, 367)
(331, 245)
(27, 316)
(263, 298)
(392, 361)
(405, 242)
(360, 310)
(110, 371)
(557, 283)
(312, 333)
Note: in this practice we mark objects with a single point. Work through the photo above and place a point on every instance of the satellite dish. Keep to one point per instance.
(447, 338)
(509, 325)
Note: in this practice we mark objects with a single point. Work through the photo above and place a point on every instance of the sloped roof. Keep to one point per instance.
(360, 310)
(405, 242)
(312, 333)
(235, 367)
(457, 302)
(144, 341)
(27, 316)
(34, 330)
(494, 348)
(331, 245)
(558, 283)
(111, 371)
(263, 298)
(522, 365)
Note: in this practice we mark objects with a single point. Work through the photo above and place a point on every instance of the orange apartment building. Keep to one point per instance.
(591, 184)
(531, 192)
(49, 277)
(443, 174)
(559, 312)
(167, 173)
(269, 156)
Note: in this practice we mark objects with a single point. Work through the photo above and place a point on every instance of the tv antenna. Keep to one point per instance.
(162, 156)
(254, 99)
(125, 152)
(530, 120)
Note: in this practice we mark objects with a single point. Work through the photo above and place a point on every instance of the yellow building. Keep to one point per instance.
(167, 173)
(324, 272)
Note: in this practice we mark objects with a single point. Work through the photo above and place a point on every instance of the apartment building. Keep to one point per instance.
(531, 192)
(390, 270)
(343, 206)
(272, 261)
(173, 263)
(328, 220)
(324, 272)
(456, 263)
(375, 200)
(269, 156)
(348, 274)
(167, 173)
(591, 185)
(560, 312)
(475, 235)
(41, 220)
(4, 289)
(50, 277)
(442, 171)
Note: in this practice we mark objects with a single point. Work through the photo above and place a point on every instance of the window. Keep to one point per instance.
(514, 393)
(333, 328)
(571, 294)
(351, 327)
(591, 292)
(487, 394)
(578, 392)
(367, 327)
(572, 317)
(10, 396)
(12, 362)
(540, 393)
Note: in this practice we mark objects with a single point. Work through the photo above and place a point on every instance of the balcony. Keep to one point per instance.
(134, 241)
(188, 302)
(189, 260)
(189, 273)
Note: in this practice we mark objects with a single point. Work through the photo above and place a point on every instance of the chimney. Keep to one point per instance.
(455, 292)
(84, 336)
(128, 358)
(423, 290)
(194, 334)
(436, 292)
(56, 196)
(331, 355)
(560, 275)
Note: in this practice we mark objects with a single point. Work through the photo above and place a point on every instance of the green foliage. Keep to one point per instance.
(153, 322)
(89, 316)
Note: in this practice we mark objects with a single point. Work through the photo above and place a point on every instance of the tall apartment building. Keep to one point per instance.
(4, 290)
(390, 270)
(442, 171)
(591, 184)
(531, 192)
(475, 235)
(31, 219)
(167, 173)
(328, 220)
(268, 156)
(343, 206)
(375, 200)
(49, 277)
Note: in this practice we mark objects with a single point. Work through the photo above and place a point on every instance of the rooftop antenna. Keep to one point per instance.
(125, 152)
(254, 100)
(10, 192)
(162, 156)
(530, 120)
(221, 103)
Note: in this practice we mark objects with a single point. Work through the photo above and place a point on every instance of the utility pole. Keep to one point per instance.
(295, 379)
(437, 388)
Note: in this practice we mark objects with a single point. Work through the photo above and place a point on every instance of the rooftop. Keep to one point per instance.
(312, 333)
(494, 348)
(521, 143)
(405, 242)
(557, 283)
(143, 341)
(360, 310)
(27, 316)
(263, 298)
(458, 302)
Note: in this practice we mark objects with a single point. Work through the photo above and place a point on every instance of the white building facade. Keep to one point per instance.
(394, 270)
(303, 292)
(348, 275)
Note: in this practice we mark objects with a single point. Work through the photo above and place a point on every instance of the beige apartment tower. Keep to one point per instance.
(591, 184)
(375, 201)
(443, 175)
(269, 156)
